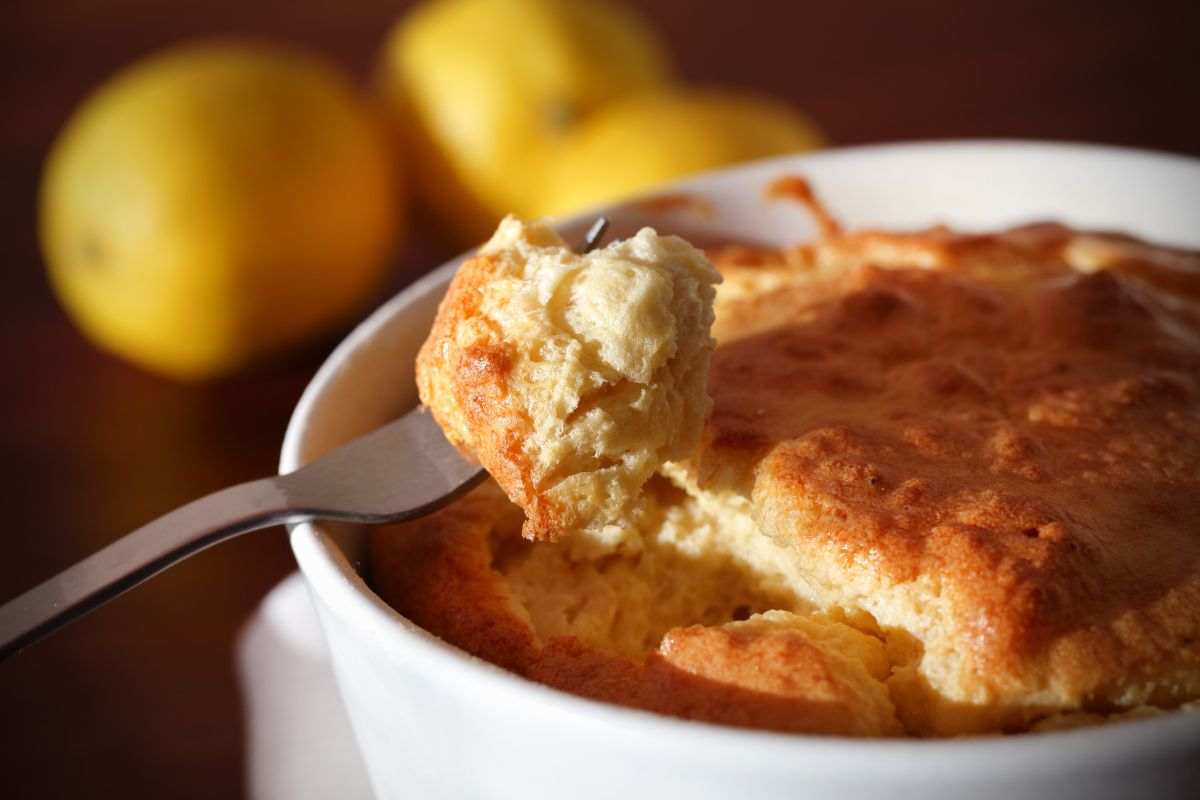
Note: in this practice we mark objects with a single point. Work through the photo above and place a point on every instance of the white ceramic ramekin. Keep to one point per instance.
(433, 722)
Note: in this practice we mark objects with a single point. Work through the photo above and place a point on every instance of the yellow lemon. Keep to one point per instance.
(215, 203)
(484, 90)
(647, 139)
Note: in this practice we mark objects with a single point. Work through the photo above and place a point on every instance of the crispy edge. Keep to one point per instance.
(463, 372)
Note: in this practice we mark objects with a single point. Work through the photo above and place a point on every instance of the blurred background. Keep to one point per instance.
(140, 698)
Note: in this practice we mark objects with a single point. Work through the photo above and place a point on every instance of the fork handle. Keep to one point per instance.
(139, 555)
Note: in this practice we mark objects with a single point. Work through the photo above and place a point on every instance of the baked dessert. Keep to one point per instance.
(950, 484)
(571, 377)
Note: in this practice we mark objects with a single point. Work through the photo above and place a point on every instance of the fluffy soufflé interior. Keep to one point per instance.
(949, 483)
(573, 377)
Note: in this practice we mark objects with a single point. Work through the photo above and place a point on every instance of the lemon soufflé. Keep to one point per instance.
(927, 483)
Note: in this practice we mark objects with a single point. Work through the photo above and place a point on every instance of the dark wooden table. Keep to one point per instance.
(140, 698)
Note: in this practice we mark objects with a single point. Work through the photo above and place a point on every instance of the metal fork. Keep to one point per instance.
(403, 470)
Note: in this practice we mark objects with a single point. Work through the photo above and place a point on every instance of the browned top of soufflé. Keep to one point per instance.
(1015, 416)
(964, 469)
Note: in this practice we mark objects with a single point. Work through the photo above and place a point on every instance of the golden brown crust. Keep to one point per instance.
(793, 673)
(976, 413)
(982, 449)
(463, 371)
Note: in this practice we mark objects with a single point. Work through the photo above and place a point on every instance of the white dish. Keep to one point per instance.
(434, 722)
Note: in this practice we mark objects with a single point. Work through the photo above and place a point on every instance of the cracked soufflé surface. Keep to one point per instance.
(950, 483)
